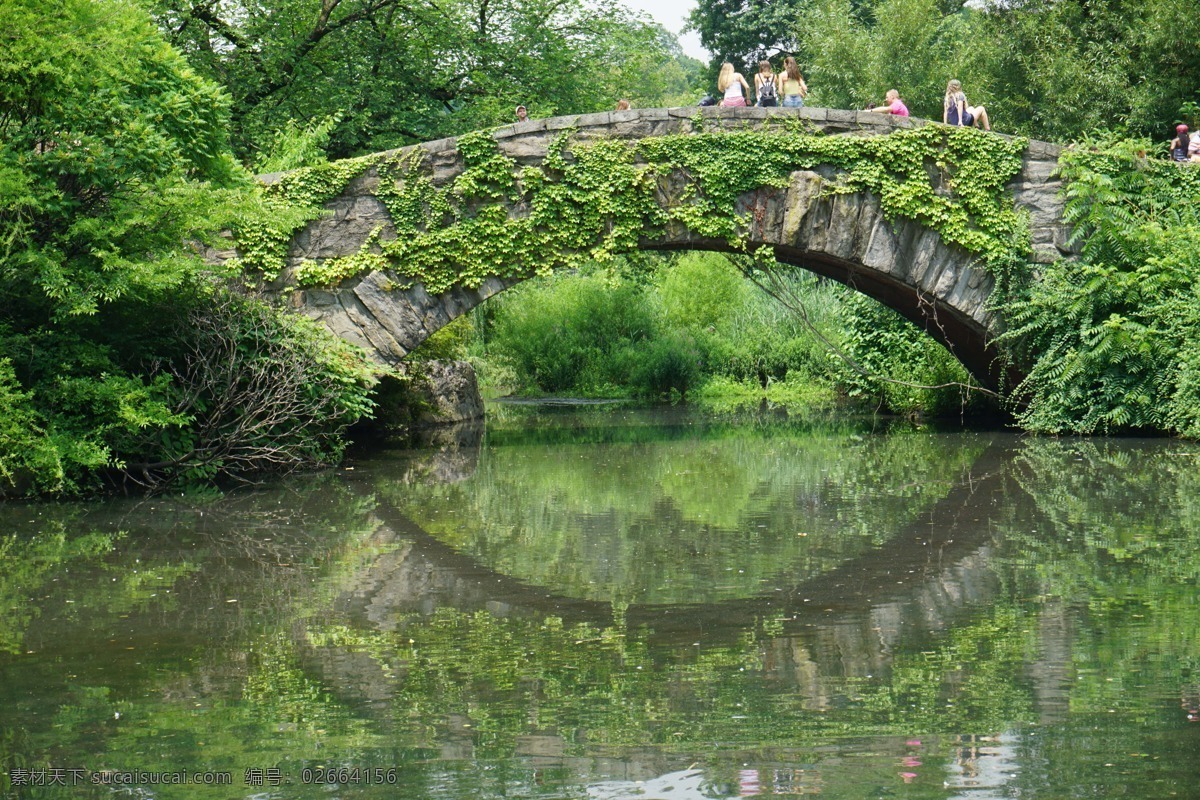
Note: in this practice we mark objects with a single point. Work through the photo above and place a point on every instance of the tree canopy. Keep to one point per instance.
(400, 72)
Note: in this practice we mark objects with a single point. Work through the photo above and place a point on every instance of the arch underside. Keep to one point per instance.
(967, 339)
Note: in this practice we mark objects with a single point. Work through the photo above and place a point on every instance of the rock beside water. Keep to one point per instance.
(450, 393)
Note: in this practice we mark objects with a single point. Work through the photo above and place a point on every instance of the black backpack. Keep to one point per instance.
(766, 90)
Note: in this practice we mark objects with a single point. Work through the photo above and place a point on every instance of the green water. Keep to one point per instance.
(609, 603)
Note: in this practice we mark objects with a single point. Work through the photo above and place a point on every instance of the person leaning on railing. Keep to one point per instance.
(892, 105)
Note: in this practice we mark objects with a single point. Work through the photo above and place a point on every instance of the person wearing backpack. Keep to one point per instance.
(766, 85)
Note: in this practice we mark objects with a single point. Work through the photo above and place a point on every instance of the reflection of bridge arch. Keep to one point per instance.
(937, 564)
(845, 237)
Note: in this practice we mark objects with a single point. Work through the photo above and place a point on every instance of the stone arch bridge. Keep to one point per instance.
(939, 286)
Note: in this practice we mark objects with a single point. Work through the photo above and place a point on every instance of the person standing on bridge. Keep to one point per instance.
(956, 111)
(522, 114)
(731, 84)
(792, 85)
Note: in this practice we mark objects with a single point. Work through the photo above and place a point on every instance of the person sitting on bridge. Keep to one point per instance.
(1181, 145)
(956, 111)
(892, 105)
(766, 85)
(732, 84)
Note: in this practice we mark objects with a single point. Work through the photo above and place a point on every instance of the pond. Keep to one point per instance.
(606, 602)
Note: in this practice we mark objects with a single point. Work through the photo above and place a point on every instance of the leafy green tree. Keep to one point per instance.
(745, 31)
(399, 72)
(110, 150)
(113, 156)
(906, 371)
(912, 46)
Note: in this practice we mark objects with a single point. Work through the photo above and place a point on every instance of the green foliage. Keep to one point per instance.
(296, 146)
(697, 318)
(761, 341)
(112, 152)
(114, 169)
(201, 386)
(282, 208)
(80, 403)
(1054, 70)
(889, 347)
(402, 72)
(575, 333)
(261, 390)
(745, 32)
(668, 366)
(700, 290)
(1061, 71)
(32, 562)
(26, 453)
(912, 46)
(602, 200)
(1112, 337)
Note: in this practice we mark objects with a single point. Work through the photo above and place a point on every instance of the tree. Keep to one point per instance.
(110, 148)
(397, 72)
(745, 31)
(113, 156)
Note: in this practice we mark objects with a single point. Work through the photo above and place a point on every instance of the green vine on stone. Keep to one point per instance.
(595, 200)
(288, 204)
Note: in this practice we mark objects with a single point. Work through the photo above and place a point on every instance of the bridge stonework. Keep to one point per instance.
(845, 237)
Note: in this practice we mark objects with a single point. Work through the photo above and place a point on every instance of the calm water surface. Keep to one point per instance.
(610, 603)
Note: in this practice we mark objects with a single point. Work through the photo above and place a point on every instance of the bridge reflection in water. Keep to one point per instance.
(819, 635)
(708, 607)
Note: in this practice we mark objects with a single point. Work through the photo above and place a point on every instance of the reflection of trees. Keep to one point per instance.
(1060, 598)
(1116, 544)
(699, 519)
(27, 564)
(137, 649)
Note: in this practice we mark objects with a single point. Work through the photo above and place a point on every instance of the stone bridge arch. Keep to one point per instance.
(938, 285)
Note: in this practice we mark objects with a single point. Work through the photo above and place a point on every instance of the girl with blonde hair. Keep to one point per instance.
(956, 111)
(731, 84)
(792, 85)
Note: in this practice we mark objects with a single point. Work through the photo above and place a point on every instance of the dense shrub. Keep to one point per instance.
(665, 365)
(565, 333)
(1112, 341)
(902, 363)
(118, 350)
(700, 320)
(210, 385)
